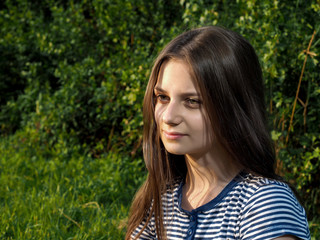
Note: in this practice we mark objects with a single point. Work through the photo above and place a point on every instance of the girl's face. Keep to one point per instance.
(179, 114)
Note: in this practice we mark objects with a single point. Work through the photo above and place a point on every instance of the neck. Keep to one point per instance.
(207, 176)
(214, 168)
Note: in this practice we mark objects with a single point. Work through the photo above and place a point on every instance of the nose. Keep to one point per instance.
(172, 113)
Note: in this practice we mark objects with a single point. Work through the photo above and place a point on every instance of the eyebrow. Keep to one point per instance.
(159, 89)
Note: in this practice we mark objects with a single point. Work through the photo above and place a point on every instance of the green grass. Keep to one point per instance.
(57, 194)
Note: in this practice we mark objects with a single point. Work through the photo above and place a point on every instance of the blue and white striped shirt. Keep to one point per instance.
(249, 207)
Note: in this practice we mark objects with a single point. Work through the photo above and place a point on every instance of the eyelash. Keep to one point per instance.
(161, 97)
(192, 103)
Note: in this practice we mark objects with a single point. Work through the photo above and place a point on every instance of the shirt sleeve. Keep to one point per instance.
(271, 212)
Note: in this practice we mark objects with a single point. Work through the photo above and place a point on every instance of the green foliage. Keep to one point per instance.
(72, 80)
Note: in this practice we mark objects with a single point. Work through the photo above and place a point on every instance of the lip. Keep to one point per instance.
(173, 135)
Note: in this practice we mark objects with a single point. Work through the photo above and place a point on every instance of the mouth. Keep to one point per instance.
(173, 135)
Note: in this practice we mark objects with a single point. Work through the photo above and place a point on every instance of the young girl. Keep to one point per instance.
(207, 148)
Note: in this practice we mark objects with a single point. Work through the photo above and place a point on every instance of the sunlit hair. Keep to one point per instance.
(228, 76)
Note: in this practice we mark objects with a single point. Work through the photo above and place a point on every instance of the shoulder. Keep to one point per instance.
(172, 190)
(147, 229)
(170, 197)
(276, 193)
(271, 210)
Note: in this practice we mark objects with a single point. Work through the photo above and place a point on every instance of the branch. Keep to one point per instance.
(298, 89)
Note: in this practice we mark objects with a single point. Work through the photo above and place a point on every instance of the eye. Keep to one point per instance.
(162, 98)
(193, 103)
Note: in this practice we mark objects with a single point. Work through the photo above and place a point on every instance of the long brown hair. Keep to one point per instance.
(228, 74)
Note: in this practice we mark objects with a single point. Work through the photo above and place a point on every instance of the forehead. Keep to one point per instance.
(176, 74)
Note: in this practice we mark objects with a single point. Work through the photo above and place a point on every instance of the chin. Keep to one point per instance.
(175, 151)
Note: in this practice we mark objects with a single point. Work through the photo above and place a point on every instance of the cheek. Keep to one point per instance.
(201, 126)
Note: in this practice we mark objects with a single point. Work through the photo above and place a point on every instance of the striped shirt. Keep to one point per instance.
(249, 207)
